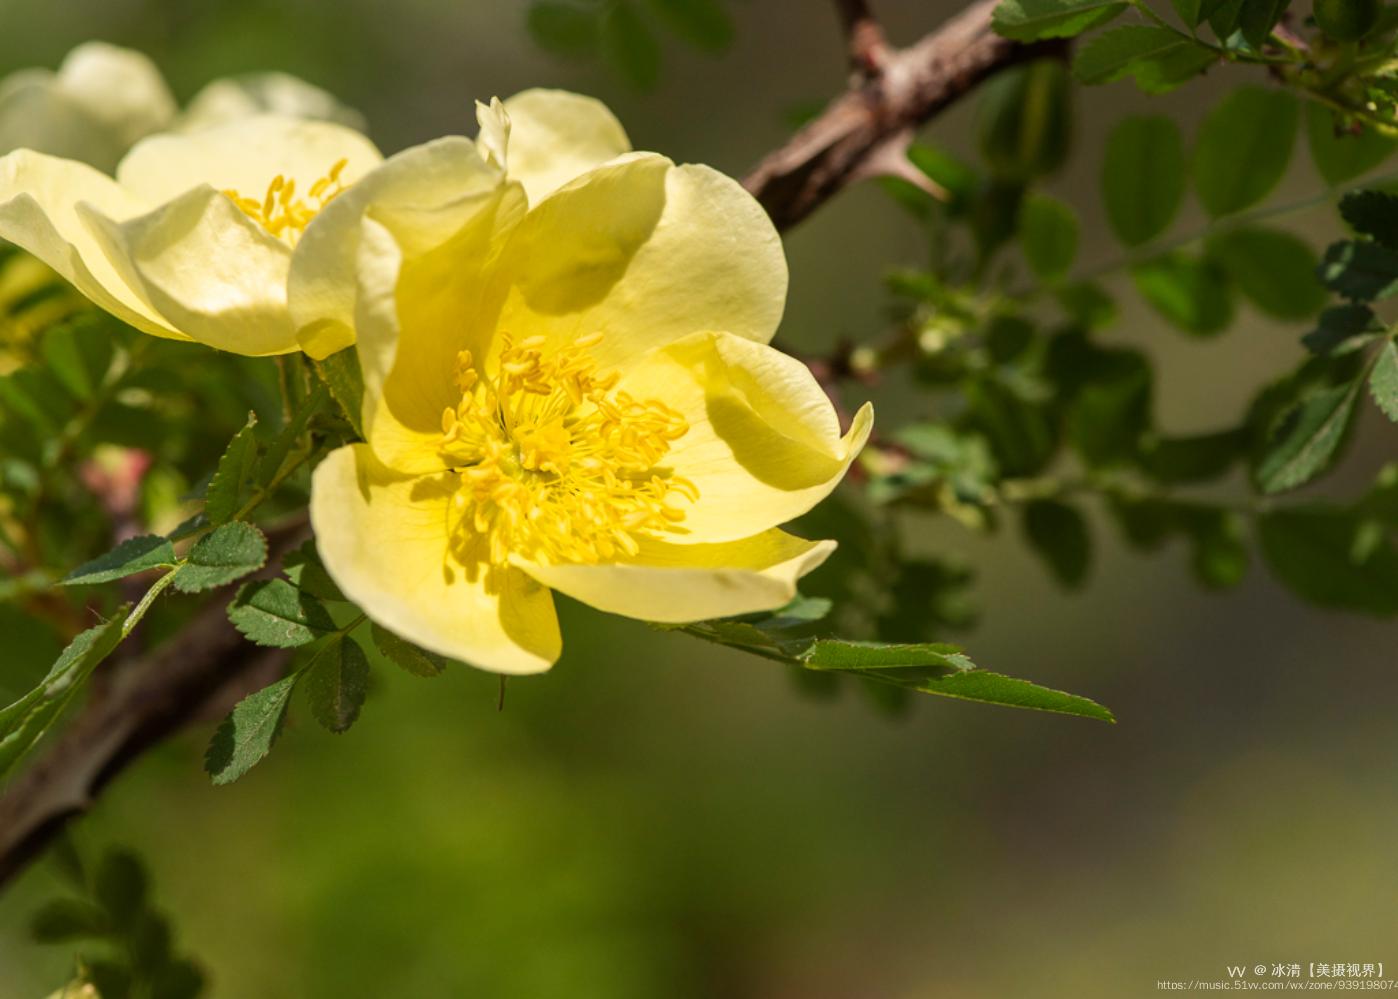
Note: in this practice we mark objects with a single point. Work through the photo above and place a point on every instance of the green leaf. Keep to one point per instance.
(1243, 147)
(1220, 555)
(1343, 329)
(1223, 19)
(629, 46)
(1026, 120)
(1087, 304)
(343, 376)
(227, 488)
(65, 919)
(1159, 59)
(1006, 691)
(1058, 532)
(305, 569)
(23, 723)
(1275, 270)
(1188, 10)
(1360, 270)
(418, 662)
(564, 29)
(336, 682)
(1030, 20)
(1143, 176)
(273, 612)
(1199, 458)
(1316, 551)
(248, 733)
(228, 553)
(131, 556)
(1383, 383)
(1307, 439)
(948, 171)
(1257, 18)
(1340, 153)
(78, 355)
(1191, 293)
(1049, 235)
(178, 979)
(1372, 213)
(705, 24)
(121, 886)
(837, 653)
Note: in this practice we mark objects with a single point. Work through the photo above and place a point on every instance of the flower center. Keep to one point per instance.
(281, 212)
(553, 463)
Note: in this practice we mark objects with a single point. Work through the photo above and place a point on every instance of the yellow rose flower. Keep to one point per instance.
(569, 388)
(99, 103)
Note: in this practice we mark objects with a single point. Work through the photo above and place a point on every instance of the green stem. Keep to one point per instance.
(139, 611)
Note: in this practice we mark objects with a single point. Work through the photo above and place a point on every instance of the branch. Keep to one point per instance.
(866, 130)
(201, 673)
(867, 46)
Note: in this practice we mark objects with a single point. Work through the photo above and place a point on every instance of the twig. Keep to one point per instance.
(876, 117)
(201, 673)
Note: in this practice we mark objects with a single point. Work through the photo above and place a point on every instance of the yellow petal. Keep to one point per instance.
(119, 87)
(763, 444)
(212, 272)
(39, 199)
(247, 94)
(245, 156)
(383, 538)
(433, 178)
(679, 583)
(555, 136)
(414, 313)
(35, 114)
(645, 253)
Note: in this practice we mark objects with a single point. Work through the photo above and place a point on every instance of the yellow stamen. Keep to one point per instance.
(284, 215)
(552, 463)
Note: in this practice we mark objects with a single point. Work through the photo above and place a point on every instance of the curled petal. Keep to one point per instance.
(763, 444)
(554, 136)
(383, 538)
(680, 583)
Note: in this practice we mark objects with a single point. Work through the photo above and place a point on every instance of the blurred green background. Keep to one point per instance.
(657, 817)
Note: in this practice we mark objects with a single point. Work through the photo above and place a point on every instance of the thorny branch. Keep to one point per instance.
(208, 667)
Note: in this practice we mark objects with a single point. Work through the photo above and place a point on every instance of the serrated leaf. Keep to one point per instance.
(1275, 270)
(134, 555)
(1307, 439)
(249, 732)
(1372, 213)
(345, 379)
(418, 662)
(1313, 550)
(1007, 691)
(24, 722)
(1048, 232)
(336, 682)
(1157, 58)
(565, 29)
(1243, 147)
(1058, 532)
(305, 569)
(1143, 176)
(1342, 329)
(227, 488)
(273, 612)
(629, 46)
(1030, 20)
(705, 24)
(1360, 270)
(1340, 153)
(1383, 382)
(227, 553)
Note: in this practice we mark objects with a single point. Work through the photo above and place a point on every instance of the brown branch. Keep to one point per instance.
(200, 674)
(876, 117)
(867, 46)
